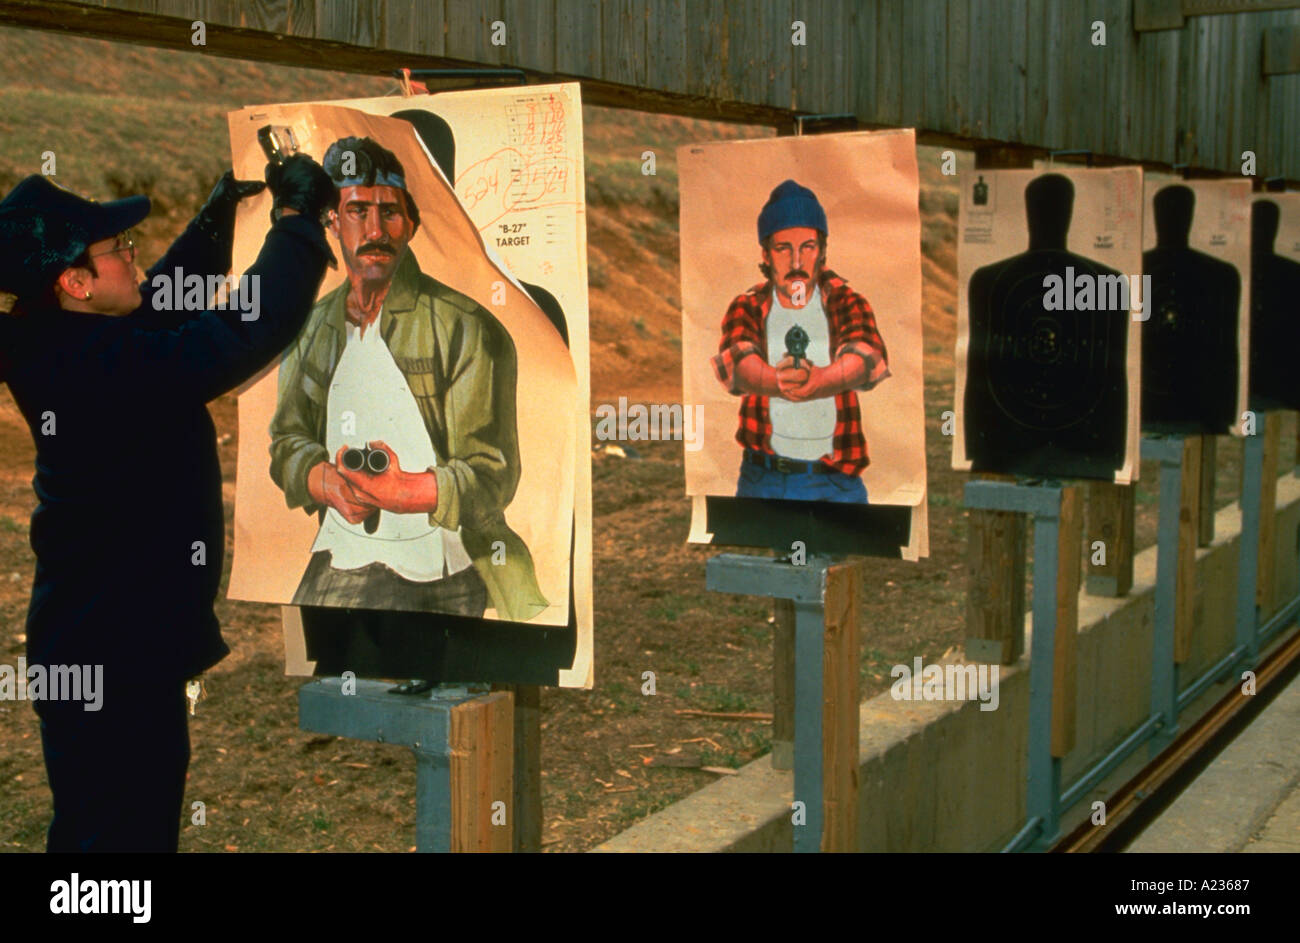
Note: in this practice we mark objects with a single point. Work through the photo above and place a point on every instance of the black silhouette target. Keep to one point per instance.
(1170, 334)
(1046, 391)
(1274, 324)
(1042, 364)
(1189, 343)
(1190, 361)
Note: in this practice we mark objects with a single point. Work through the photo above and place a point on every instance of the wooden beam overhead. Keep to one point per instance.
(240, 42)
(1036, 75)
(1149, 15)
(1281, 50)
(1212, 7)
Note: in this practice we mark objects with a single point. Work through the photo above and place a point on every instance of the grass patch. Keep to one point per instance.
(665, 612)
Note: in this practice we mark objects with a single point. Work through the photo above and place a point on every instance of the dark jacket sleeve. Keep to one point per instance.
(217, 350)
(194, 252)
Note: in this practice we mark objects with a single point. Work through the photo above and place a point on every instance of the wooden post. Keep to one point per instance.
(1064, 667)
(1110, 520)
(528, 769)
(783, 684)
(482, 774)
(1209, 466)
(1189, 530)
(995, 554)
(526, 807)
(995, 587)
(1266, 589)
(840, 708)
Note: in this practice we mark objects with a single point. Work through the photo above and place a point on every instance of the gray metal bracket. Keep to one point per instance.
(805, 585)
(422, 723)
(1043, 502)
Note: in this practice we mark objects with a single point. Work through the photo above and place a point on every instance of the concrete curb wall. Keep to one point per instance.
(946, 776)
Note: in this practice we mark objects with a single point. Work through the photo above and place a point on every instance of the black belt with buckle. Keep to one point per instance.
(786, 466)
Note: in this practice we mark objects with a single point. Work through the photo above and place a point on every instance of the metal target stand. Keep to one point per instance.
(825, 761)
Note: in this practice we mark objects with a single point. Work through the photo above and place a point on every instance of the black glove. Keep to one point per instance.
(300, 184)
(217, 218)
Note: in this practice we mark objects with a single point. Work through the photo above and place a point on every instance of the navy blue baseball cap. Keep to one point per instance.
(791, 205)
(45, 228)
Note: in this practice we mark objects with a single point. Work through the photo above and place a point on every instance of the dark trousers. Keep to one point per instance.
(379, 624)
(377, 587)
(117, 774)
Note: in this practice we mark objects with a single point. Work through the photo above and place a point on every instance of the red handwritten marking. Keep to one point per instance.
(529, 174)
(483, 178)
(541, 126)
(556, 122)
(478, 182)
(518, 187)
(538, 180)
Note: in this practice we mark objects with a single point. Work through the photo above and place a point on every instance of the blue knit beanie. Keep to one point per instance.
(791, 205)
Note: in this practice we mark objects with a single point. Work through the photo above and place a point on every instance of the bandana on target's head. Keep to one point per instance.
(379, 179)
(371, 165)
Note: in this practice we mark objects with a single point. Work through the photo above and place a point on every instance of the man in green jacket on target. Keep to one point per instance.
(395, 423)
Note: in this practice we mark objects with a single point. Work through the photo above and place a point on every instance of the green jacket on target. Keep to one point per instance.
(460, 365)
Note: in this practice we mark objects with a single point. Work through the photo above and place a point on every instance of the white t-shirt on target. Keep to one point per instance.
(803, 431)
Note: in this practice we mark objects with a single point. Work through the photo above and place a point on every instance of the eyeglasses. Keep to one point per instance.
(128, 248)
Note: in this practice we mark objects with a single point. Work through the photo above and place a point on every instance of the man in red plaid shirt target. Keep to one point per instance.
(798, 348)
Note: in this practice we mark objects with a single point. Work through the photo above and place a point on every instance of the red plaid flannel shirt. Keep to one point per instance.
(853, 330)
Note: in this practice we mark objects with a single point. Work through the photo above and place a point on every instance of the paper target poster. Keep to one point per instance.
(478, 366)
(1048, 361)
(1196, 251)
(801, 295)
(1275, 286)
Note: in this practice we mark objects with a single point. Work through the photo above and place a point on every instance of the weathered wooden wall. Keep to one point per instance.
(1022, 71)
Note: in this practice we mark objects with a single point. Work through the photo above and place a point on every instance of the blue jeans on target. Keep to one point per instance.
(759, 482)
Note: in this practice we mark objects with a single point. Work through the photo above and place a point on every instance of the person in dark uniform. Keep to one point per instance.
(1046, 389)
(129, 530)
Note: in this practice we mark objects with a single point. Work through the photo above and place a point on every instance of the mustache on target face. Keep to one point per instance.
(376, 248)
(797, 273)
